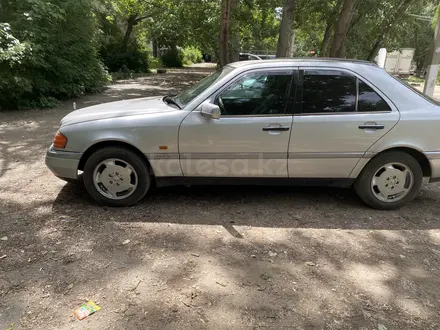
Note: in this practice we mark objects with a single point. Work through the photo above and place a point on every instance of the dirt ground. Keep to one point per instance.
(204, 257)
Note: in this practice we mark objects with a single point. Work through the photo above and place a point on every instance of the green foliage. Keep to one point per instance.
(407, 31)
(48, 52)
(155, 63)
(185, 23)
(173, 58)
(54, 49)
(133, 59)
(11, 50)
(258, 25)
(191, 55)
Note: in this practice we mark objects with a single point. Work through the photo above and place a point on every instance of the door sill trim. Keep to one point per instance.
(234, 181)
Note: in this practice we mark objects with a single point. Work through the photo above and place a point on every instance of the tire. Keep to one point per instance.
(369, 194)
(121, 157)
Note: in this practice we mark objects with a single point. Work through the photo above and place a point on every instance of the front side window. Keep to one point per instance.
(331, 91)
(256, 94)
(191, 93)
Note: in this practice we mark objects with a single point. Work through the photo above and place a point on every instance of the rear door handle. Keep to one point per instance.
(372, 126)
(276, 128)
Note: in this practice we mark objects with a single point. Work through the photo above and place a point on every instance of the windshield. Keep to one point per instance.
(191, 93)
(426, 97)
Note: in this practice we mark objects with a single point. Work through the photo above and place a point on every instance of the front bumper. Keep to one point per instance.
(63, 164)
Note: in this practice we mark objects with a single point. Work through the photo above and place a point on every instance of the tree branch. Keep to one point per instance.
(137, 20)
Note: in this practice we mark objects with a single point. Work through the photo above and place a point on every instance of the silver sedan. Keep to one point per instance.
(286, 121)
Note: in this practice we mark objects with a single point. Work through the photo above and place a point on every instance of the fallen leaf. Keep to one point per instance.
(273, 254)
(219, 283)
(311, 264)
(126, 242)
(4, 238)
(70, 286)
(3, 256)
(381, 327)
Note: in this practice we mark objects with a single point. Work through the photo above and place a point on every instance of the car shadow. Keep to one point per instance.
(257, 206)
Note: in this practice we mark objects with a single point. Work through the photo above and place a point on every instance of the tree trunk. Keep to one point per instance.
(389, 23)
(342, 27)
(234, 45)
(234, 48)
(224, 32)
(155, 48)
(330, 24)
(131, 22)
(292, 44)
(374, 50)
(326, 39)
(285, 35)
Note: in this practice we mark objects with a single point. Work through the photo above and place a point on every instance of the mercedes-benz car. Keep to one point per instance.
(287, 121)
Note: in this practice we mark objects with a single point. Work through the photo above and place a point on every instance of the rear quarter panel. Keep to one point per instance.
(418, 129)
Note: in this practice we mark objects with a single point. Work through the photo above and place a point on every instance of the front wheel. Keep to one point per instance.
(390, 181)
(116, 177)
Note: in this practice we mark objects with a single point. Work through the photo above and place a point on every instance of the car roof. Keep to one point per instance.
(299, 61)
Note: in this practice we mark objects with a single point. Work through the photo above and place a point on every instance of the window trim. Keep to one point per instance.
(288, 71)
(300, 87)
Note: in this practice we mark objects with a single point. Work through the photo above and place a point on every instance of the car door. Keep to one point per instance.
(251, 137)
(338, 117)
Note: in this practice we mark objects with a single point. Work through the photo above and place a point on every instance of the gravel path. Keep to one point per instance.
(204, 257)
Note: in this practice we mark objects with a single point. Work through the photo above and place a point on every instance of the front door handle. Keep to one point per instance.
(371, 126)
(276, 128)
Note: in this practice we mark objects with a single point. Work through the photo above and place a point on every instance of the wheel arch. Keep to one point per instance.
(414, 152)
(113, 143)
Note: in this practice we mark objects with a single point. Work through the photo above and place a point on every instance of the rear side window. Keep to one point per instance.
(333, 91)
(328, 91)
(369, 100)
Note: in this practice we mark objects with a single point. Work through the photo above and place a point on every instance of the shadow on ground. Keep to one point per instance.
(263, 206)
(305, 258)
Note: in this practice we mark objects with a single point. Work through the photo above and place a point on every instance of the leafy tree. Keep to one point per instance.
(406, 30)
(48, 51)
(132, 12)
(337, 48)
(259, 25)
(393, 16)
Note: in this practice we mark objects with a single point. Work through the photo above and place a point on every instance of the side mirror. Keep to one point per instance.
(210, 110)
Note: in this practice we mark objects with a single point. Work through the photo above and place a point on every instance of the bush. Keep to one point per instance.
(133, 59)
(49, 53)
(155, 63)
(173, 58)
(192, 55)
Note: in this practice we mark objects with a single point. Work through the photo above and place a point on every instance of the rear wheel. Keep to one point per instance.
(116, 176)
(390, 180)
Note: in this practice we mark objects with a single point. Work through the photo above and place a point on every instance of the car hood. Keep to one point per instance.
(146, 105)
